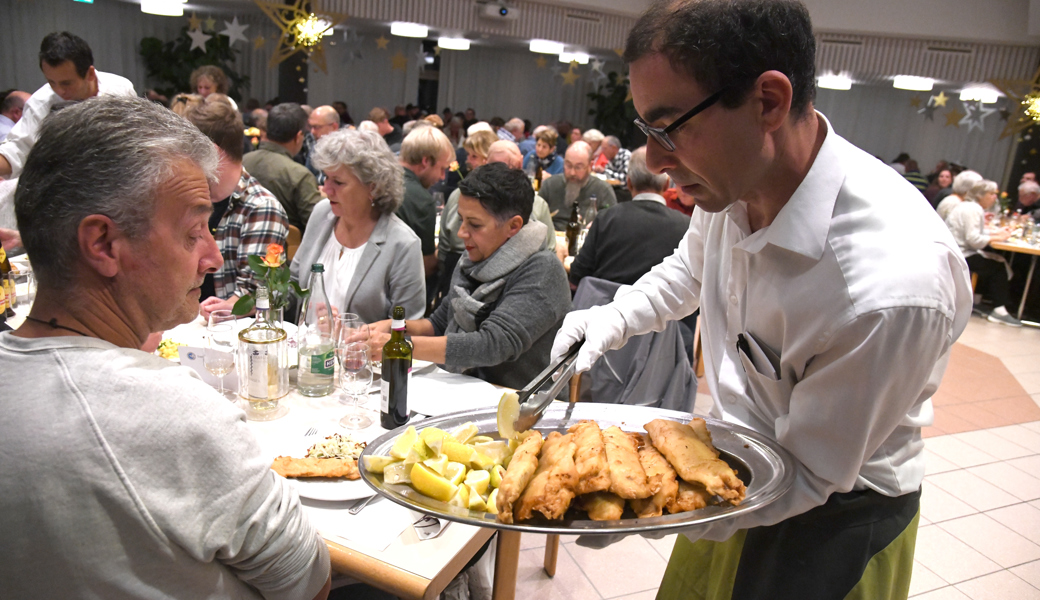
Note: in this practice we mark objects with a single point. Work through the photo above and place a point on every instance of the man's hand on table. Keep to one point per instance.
(10, 239)
(213, 303)
(1000, 235)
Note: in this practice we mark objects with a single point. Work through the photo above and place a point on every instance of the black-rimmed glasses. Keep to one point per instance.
(661, 134)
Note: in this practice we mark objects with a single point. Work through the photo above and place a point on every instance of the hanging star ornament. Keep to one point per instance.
(929, 109)
(941, 99)
(540, 62)
(381, 42)
(596, 78)
(953, 118)
(259, 41)
(211, 23)
(399, 61)
(198, 39)
(597, 65)
(301, 29)
(234, 31)
(194, 22)
(569, 77)
(1021, 95)
(915, 102)
(353, 41)
(420, 59)
(975, 112)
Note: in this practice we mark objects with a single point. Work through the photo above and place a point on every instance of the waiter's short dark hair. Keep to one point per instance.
(285, 121)
(727, 44)
(502, 191)
(61, 46)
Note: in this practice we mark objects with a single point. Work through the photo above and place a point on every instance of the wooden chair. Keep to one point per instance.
(552, 540)
(292, 241)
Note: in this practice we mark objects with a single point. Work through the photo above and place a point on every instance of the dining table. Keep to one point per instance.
(1021, 247)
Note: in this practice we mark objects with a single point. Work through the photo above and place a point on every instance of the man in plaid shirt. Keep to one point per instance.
(246, 217)
(617, 168)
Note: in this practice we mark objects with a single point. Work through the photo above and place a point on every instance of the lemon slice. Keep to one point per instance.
(433, 485)
(438, 465)
(457, 452)
(464, 433)
(404, 443)
(397, 473)
(461, 498)
(497, 450)
(508, 412)
(455, 472)
(478, 482)
(475, 501)
(497, 473)
(376, 464)
(492, 503)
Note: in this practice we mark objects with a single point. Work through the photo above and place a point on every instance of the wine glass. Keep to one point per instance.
(220, 349)
(355, 376)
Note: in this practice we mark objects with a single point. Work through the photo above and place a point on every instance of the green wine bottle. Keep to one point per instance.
(397, 367)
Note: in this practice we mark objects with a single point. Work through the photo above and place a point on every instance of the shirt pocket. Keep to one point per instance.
(768, 391)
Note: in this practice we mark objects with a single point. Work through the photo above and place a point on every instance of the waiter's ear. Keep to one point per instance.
(772, 94)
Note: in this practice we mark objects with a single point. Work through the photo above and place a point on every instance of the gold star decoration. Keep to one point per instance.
(941, 99)
(954, 118)
(915, 102)
(540, 62)
(211, 23)
(400, 61)
(381, 42)
(259, 41)
(1019, 94)
(619, 51)
(194, 22)
(301, 29)
(569, 76)
(436, 50)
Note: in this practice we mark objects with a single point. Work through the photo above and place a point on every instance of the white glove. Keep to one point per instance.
(603, 328)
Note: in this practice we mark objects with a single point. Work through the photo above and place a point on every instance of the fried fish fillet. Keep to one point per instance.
(591, 458)
(602, 506)
(627, 478)
(287, 466)
(660, 477)
(690, 496)
(521, 468)
(552, 487)
(694, 459)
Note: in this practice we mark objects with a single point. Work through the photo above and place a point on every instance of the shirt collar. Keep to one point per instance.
(650, 196)
(803, 224)
(273, 147)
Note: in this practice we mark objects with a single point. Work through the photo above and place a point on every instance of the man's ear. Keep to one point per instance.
(773, 92)
(100, 244)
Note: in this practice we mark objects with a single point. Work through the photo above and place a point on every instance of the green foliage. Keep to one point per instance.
(278, 282)
(613, 114)
(170, 63)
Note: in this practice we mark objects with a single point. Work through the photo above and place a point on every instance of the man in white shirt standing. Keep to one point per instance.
(828, 310)
(68, 64)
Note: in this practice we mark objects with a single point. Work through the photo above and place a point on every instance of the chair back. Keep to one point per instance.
(292, 241)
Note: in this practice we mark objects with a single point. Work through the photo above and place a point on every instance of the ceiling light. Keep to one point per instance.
(453, 43)
(412, 30)
(166, 8)
(546, 47)
(913, 83)
(834, 82)
(983, 94)
(580, 57)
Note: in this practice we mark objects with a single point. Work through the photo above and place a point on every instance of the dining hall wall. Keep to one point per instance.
(881, 121)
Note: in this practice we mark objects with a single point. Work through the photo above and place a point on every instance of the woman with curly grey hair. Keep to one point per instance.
(373, 261)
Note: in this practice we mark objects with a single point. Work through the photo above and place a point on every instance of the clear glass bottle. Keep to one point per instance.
(315, 340)
(262, 361)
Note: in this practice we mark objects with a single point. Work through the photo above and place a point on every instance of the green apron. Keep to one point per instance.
(856, 546)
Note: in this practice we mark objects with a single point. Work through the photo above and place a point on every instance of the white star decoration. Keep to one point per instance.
(235, 32)
(198, 40)
(975, 112)
(597, 65)
(420, 58)
(353, 42)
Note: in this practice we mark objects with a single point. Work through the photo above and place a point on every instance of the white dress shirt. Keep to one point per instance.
(23, 135)
(6, 125)
(850, 301)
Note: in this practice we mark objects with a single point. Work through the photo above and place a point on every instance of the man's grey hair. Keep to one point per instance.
(108, 156)
(640, 177)
(411, 126)
(980, 189)
(592, 136)
(515, 126)
(964, 181)
(1028, 187)
(369, 159)
(613, 141)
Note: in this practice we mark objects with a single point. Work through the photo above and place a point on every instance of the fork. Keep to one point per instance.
(311, 432)
(360, 505)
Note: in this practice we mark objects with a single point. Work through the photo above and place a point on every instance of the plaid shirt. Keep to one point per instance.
(254, 219)
(617, 168)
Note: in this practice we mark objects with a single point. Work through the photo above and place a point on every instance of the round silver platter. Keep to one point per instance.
(766, 469)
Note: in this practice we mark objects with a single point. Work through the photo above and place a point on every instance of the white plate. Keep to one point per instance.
(331, 490)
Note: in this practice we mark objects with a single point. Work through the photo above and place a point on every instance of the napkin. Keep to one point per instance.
(195, 358)
(438, 393)
(375, 527)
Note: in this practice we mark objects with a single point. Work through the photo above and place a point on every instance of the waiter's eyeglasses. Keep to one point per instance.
(661, 134)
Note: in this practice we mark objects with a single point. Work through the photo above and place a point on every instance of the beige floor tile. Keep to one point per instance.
(1029, 381)
(1022, 518)
(1021, 364)
(923, 580)
(1034, 425)
(957, 451)
(531, 540)
(1028, 464)
(1029, 572)
(1028, 439)
(947, 593)
(569, 583)
(663, 546)
(937, 505)
(629, 566)
(972, 490)
(1002, 585)
(1015, 481)
(933, 463)
(949, 558)
(647, 595)
(992, 444)
(1035, 504)
(995, 541)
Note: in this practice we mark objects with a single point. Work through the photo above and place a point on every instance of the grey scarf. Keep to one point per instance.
(477, 286)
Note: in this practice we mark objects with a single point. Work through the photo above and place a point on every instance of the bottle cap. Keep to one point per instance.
(317, 268)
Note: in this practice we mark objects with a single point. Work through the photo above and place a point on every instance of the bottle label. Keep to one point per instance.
(256, 374)
(323, 364)
(384, 392)
(397, 325)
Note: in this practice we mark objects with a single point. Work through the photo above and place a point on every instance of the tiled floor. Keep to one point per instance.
(979, 537)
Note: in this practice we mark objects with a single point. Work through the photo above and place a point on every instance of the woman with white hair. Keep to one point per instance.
(962, 184)
(967, 223)
(373, 261)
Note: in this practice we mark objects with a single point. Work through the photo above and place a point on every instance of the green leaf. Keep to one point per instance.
(281, 274)
(244, 306)
(256, 263)
(300, 292)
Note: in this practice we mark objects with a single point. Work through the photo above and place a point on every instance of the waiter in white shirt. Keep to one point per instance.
(828, 311)
(68, 65)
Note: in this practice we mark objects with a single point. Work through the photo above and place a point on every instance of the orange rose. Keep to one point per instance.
(274, 255)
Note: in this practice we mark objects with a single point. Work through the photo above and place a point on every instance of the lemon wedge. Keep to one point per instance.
(456, 452)
(404, 443)
(455, 472)
(464, 433)
(497, 473)
(478, 481)
(491, 505)
(376, 464)
(461, 498)
(475, 501)
(508, 412)
(497, 450)
(438, 465)
(480, 439)
(433, 485)
(397, 472)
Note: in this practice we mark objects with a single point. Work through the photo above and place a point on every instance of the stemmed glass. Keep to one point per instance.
(221, 342)
(355, 377)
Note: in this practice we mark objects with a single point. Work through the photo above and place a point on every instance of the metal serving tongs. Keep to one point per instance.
(533, 401)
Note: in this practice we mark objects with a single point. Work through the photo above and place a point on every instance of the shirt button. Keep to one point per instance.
(733, 298)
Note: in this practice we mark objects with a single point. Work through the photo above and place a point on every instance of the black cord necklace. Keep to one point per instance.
(54, 325)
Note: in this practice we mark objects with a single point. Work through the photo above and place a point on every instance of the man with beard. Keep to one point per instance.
(576, 185)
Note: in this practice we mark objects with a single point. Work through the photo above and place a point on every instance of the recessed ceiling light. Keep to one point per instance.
(985, 95)
(453, 43)
(412, 30)
(546, 47)
(165, 8)
(581, 57)
(913, 83)
(834, 82)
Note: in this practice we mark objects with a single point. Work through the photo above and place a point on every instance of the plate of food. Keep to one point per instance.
(584, 469)
(324, 467)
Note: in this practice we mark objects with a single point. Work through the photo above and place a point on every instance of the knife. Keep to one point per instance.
(533, 401)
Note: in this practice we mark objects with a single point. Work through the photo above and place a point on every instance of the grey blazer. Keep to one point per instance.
(390, 272)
